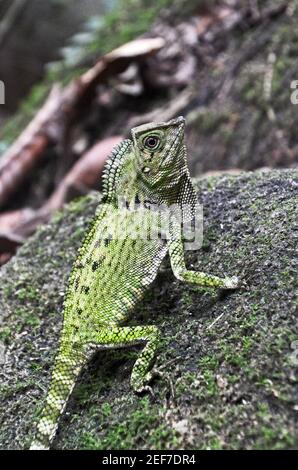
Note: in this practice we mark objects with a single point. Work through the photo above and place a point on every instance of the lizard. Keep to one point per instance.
(116, 263)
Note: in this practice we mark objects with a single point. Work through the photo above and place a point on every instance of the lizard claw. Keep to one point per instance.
(231, 283)
(167, 364)
(159, 372)
(244, 285)
(149, 390)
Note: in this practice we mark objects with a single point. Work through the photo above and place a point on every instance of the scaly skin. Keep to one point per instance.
(117, 263)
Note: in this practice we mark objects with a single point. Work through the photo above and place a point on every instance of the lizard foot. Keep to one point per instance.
(160, 373)
(148, 389)
(165, 376)
(156, 372)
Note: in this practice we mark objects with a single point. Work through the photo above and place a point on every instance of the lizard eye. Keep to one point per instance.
(151, 142)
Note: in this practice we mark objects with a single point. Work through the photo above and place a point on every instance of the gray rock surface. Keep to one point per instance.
(235, 379)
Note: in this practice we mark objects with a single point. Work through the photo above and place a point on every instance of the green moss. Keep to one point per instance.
(211, 387)
(5, 334)
(189, 378)
(213, 443)
(234, 382)
(26, 317)
(274, 439)
(35, 366)
(142, 425)
(208, 121)
(18, 388)
(209, 363)
(28, 293)
(77, 205)
(233, 353)
(8, 291)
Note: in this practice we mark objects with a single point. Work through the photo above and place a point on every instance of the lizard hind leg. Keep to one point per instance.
(68, 365)
(142, 372)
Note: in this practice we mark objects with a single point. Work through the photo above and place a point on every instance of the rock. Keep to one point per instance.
(234, 381)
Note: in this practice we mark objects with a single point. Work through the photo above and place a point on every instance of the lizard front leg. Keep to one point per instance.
(176, 252)
(142, 372)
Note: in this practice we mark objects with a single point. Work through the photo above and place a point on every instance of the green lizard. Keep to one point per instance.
(118, 261)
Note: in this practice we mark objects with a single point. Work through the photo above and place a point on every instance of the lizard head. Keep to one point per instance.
(160, 153)
(152, 166)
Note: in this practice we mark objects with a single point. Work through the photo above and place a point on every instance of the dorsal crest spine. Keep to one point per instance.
(112, 168)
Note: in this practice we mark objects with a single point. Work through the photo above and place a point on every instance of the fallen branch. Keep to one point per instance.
(24, 154)
(8, 22)
(84, 175)
(16, 226)
(61, 109)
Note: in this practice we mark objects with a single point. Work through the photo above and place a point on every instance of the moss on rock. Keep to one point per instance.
(234, 379)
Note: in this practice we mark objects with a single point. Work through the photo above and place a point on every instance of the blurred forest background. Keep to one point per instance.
(79, 74)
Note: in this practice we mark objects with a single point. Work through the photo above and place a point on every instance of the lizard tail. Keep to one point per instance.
(68, 366)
